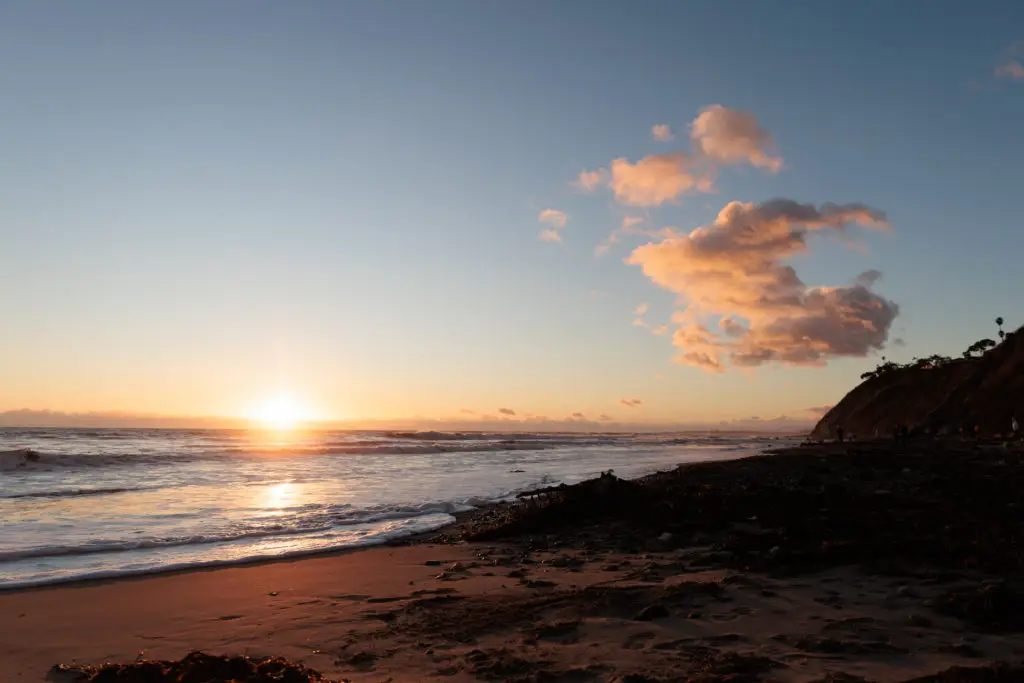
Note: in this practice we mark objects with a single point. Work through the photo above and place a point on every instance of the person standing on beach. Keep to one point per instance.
(1014, 427)
(839, 433)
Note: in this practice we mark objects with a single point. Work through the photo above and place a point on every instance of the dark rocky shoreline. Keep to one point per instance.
(930, 504)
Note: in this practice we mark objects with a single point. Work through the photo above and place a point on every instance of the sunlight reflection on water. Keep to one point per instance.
(281, 496)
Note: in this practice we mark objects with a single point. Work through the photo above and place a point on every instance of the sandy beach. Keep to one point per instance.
(577, 603)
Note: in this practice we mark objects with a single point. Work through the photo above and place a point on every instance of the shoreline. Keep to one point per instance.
(855, 563)
(211, 565)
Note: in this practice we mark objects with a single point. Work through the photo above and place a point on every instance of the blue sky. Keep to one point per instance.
(202, 205)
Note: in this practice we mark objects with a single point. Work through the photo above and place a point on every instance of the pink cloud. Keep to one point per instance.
(506, 411)
(719, 136)
(656, 179)
(553, 217)
(631, 402)
(662, 133)
(729, 136)
(735, 270)
(627, 227)
(557, 220)
(588, 181)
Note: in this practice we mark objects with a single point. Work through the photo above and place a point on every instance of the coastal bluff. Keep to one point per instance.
(928, 397)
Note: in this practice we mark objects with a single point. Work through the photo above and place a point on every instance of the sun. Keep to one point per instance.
(281, 412)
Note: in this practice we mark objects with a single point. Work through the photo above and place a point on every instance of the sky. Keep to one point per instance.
(578, 211)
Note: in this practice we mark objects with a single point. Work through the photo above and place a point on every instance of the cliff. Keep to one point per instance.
(986, 391)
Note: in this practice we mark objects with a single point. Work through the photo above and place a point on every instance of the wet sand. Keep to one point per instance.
(592, 593)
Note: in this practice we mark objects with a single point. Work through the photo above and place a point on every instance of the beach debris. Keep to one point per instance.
(195, 667)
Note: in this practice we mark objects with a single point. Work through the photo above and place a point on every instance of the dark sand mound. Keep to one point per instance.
(986, 391)
(196, 667)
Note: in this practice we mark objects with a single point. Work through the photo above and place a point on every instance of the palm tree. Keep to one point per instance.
(999, 322)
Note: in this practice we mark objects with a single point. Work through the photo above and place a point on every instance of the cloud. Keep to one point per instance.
(627, 227)
(719, 136)
(630, 402)
(735, 270)
(640, 322)
(557, 220)
(869, 277)
(819, 411)
(506, 411)
(729, 136)
(899, 341)
(604, 418)
(588, 181)
(662, 133)
(467, 411)
(553, 217)
(657, 330)
(656, 179)
(731, 327)
(1010, 69)
(578, 416)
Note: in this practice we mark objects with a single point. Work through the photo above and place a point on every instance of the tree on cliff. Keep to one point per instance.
(999, 322)
(979, 347)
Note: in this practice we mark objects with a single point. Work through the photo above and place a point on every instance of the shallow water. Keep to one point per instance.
(109, 502)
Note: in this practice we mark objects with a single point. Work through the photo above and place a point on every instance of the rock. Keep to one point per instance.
(652, 612)
(433, 563)
(665, 537)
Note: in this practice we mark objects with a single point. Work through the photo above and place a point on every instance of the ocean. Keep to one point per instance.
(92, 503)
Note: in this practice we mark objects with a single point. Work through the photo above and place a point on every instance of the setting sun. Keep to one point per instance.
(280, 412)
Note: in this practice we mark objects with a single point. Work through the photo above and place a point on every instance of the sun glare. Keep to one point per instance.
(280, 412)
